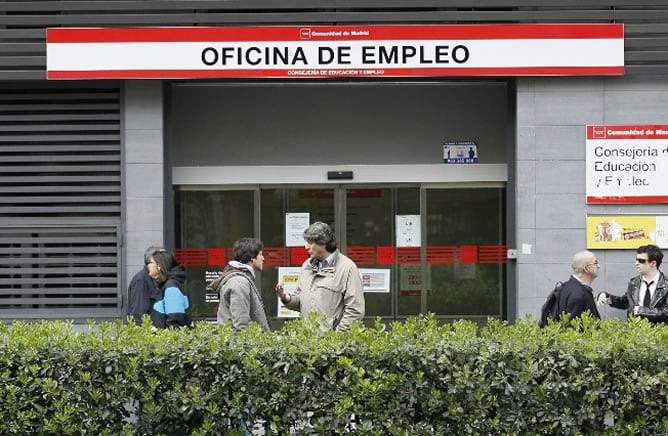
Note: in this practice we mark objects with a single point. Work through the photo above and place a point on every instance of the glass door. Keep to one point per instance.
(466, 252)
(455, 264)
(451, 263)
(370, 217)
(207, 223)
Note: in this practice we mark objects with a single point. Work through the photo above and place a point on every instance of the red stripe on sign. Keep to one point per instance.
(191, 256)
(298, 255)
(335, 33)
(441, 255)
(491, 254)
(468, 254)
(362, 255)
(327, 73)
(628, 200)
(275, 256)
(503, 71)
(217, 257)
(408, 255)
(654, 131)
(385, 255)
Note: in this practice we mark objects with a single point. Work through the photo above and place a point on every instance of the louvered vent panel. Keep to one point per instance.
(67, 271)
(60, 201)
(59, 152)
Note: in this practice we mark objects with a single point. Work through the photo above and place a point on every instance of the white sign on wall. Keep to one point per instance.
(627, 164)
(460, 152)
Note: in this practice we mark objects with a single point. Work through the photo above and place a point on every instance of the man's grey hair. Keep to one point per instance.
(581, 260)
(322, 234)
(150, 251)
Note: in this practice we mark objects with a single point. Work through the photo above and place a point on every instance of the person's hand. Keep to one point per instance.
(636, 309)
(603, 298)
(280, 291)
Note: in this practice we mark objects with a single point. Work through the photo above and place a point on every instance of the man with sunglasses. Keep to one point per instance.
(647, 294)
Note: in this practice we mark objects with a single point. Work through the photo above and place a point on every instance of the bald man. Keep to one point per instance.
(577, 295)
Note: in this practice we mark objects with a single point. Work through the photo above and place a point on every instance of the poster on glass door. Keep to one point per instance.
(295, 224)
(375, 280)
(287, 275)
(408, 230)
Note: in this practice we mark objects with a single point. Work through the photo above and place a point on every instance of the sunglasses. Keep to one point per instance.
(639, 260)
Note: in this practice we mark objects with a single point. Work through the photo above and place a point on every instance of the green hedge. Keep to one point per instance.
(415, 377)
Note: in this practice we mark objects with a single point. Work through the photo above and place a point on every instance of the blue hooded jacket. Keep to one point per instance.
(173, 308)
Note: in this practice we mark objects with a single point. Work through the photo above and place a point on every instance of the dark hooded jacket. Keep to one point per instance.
(172, 309)
(142, 293)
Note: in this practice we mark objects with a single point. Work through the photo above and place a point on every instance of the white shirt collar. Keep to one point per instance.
(654, 279)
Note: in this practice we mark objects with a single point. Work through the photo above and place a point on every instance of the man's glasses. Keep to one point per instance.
(640, 260)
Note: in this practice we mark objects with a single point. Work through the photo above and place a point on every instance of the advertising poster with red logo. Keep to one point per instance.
(627, 164)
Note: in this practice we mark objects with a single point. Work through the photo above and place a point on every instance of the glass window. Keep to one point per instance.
(369, 225)
(207, 223)
(466, 251)
(461, 276)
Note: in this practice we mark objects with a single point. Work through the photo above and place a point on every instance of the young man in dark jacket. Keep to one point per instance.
(647, 294)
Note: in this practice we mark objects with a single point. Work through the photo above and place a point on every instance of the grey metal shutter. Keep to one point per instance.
(60, 201)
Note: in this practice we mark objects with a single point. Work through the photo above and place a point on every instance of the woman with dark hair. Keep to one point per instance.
(173, 308)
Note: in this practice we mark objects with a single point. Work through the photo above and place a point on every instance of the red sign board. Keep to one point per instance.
(317, 52)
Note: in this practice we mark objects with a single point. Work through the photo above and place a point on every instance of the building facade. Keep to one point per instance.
(94, 171)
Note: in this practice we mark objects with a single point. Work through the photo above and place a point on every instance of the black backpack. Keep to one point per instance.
(550, 309)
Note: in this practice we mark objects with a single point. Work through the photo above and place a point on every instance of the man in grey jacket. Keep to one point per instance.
(240, 300)
(329, 283)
